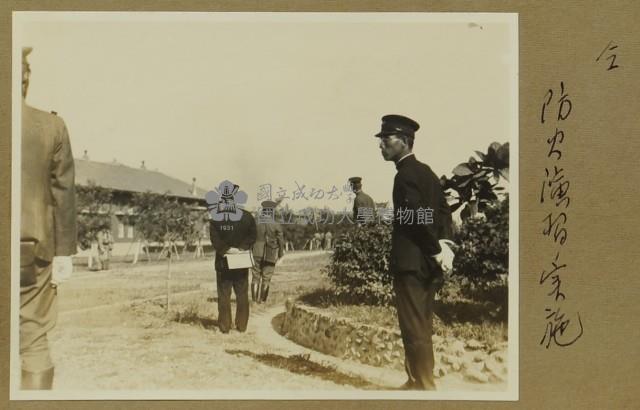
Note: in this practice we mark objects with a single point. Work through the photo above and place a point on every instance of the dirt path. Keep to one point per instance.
(113, 334)
(126, 341)
(128, 352)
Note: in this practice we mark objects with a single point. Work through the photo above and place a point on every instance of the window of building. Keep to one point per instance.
(130, 231)
(120, 230)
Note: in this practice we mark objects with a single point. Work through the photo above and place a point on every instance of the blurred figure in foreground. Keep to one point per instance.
(47, 233)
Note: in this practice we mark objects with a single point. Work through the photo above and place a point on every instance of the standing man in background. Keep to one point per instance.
(363, 205)
(417, 257)
(328, 240)
(47, 232)
(267, 251)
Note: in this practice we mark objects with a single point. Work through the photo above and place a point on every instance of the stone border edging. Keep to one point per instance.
(342, 337)
(381, 347)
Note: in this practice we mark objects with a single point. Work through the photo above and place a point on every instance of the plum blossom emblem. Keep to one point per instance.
(226, 201)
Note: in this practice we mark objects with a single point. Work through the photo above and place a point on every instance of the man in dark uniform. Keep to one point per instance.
(267, 251)
(230, 237)
(419, 214)
(363, 205)
(47, 232)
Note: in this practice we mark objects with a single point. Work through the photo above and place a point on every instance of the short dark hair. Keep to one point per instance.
(407, 139)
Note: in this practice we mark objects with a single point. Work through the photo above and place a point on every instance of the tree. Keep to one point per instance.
(161, 218)
(475, 183)
(94, 209)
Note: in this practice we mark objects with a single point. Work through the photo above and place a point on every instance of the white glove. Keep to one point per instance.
(446, 255)
(233, 250)
(62, 267)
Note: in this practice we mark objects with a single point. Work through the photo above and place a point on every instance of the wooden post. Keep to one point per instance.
(199, 251)
(175, 250)
(165, 248)
(136, 252)
(92, 254)
(168, 282)
(146, 250)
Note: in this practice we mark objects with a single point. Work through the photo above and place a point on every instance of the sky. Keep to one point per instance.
(284, 99)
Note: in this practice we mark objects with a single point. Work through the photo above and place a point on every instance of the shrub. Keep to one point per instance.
(93, 207)
(464, 300)
(482, 251)
(359, 267)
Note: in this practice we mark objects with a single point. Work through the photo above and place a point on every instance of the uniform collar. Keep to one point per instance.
(410, 157)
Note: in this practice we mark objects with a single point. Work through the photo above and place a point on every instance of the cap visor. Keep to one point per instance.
(383, 134)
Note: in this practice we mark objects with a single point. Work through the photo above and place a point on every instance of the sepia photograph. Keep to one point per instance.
(264, 206)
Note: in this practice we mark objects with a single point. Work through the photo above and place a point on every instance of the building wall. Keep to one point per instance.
(121, 230)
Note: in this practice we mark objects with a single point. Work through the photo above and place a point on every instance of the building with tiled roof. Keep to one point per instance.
(124, 182)
(120, 177)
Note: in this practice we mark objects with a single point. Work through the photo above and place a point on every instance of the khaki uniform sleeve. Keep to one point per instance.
(64, 195)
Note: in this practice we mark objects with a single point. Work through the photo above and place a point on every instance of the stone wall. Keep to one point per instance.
(341, 337)
(378, 346)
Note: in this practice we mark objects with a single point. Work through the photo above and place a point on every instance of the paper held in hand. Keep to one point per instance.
(240, 260)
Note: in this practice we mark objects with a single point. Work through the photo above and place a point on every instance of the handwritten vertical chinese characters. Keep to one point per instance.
(562, 328)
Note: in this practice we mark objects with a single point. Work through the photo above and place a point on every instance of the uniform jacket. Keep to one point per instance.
(269, 246)
(48, 209)
(363, 200)
(413, 244)
(232, 234)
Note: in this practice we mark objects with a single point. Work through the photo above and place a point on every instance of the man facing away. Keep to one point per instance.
(230, 237)
(420, 213)
(267, 251)
(47, 233)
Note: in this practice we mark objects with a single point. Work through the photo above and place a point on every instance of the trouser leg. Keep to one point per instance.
(37, 380)
(267, 272)
(414, 302)
(224, 285)
(241, 289)
(255, 283)
(38, 314)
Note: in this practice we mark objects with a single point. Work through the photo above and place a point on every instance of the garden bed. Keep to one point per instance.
(370, 335)
(448, 320)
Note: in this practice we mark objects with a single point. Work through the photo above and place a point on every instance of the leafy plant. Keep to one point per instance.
(483, 244)
(474, 184)
(161, 218)
(359, 267)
